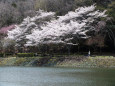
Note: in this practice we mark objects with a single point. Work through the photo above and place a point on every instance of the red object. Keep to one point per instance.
(4, 30)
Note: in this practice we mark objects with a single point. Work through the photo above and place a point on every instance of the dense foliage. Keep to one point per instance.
(45, 28)
(13, 11)
(25, 55)
(58, 23)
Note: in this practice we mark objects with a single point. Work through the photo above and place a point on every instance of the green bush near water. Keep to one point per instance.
(6, 54)
(25, 54)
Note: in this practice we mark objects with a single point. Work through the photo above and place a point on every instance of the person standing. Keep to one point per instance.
(89, 53)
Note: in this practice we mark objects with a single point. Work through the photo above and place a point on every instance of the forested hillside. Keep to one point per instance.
(97, 34)
(13, 11)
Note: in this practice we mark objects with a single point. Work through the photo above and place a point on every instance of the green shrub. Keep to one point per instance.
(25, 55)
(9, 54)
(6, 54)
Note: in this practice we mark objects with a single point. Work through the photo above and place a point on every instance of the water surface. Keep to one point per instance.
(36, 76)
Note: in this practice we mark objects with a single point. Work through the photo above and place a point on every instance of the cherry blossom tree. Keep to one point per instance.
(28, 25)
(45, 28)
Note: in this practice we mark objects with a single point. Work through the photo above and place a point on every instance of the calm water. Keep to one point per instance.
(27, 76)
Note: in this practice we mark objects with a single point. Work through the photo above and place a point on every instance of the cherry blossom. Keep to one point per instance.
(44, 28)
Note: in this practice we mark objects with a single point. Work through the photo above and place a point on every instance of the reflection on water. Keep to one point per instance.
(35, 76)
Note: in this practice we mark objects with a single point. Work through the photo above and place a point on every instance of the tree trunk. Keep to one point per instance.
(100, 50)
(69, 49)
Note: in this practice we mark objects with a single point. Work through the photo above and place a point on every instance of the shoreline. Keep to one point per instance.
(75, 61)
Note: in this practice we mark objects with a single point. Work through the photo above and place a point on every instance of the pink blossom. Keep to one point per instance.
(4, 30)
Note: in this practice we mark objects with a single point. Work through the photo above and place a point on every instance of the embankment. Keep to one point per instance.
(67, 61)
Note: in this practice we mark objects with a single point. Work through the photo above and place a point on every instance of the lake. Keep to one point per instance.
(46, 76)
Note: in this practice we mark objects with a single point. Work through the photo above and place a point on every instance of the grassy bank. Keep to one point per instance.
(67, 61)
(98, 61)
